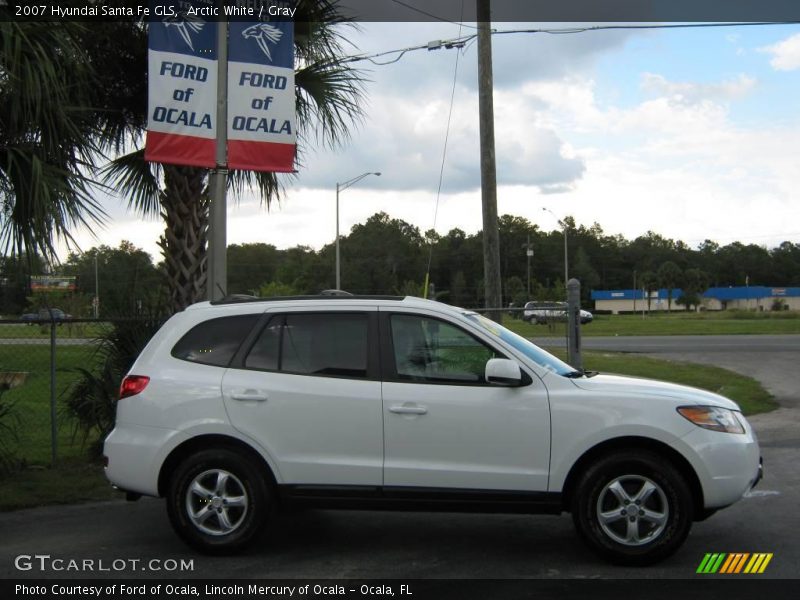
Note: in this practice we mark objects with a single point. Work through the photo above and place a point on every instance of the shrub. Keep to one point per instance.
(92, 400)
(9, 423)
(778, 304)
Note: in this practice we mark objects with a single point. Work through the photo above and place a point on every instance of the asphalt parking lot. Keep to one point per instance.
(327, 544)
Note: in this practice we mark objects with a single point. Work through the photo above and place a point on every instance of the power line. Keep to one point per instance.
(462, 41)
(441, 169)
(432, 16)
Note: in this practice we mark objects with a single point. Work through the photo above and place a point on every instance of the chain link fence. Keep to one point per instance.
(41, 360)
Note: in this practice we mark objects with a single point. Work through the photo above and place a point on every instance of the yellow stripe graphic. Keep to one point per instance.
(751, 564)
(757, 563)
(765, 563)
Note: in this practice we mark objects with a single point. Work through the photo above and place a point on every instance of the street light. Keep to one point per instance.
(566, 261)
(340, 187)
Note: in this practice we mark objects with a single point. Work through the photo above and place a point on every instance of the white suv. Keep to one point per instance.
(237, 407)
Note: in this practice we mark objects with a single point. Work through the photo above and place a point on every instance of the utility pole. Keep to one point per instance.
(217, 270)
(491, 235)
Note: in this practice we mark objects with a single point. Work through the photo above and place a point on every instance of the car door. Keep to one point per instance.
(444, 426)
(307, 389)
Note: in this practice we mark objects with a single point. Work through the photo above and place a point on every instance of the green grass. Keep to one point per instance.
(69, 482)
(75, 479)
(705, 323)
(31, 399)
(745, 391)
(23, 331)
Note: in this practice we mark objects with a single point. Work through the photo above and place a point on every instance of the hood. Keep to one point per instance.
(634, 386)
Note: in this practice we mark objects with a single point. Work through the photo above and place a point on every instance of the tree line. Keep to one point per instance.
(385, 255)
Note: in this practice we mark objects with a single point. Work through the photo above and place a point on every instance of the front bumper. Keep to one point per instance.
(727, 465)
(759, 475)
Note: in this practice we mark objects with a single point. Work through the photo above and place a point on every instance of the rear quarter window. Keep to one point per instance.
(214, 342)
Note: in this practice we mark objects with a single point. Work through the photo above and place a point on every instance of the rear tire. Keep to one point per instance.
(633, 507)
(218, 501)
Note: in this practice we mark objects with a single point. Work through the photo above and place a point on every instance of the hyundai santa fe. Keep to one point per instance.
(240, 406)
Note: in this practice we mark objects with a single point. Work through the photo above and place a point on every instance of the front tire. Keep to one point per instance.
(633, 508)
(218, 501)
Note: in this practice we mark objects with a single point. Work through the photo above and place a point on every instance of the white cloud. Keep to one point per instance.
(692, 92)
(674, 159)
(785, 54)
(404, 139)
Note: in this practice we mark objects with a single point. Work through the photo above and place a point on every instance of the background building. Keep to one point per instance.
(715, 298)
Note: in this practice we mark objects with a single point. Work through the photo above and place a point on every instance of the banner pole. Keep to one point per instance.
(217, 274)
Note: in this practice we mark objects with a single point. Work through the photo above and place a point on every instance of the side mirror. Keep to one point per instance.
(502, 371)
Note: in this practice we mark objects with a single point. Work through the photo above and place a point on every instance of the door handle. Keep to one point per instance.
(408, 410)
(249, 397)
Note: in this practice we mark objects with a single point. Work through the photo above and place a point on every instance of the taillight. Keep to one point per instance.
(132, 385)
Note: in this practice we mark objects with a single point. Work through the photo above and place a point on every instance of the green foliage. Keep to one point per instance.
(249, 265)
(9, 424)
(778, 304)
(126, 279)
(411, 288)
(689, 300)
(669, 276)
(381, 254)
(276, 288)
(91, 400)
(515, 291)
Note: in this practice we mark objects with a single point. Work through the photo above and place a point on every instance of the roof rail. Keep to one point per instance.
(244, 298)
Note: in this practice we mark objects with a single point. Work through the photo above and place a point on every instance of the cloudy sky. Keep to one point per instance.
(691, 133)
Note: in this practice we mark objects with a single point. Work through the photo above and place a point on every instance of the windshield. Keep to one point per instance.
(529, 349)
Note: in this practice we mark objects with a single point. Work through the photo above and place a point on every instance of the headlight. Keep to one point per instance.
(713, 417)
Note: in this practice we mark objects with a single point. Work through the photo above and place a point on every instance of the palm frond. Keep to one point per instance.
(136, 180)
(267, 184)
(47, 138)
(329, 101)
(46, 202)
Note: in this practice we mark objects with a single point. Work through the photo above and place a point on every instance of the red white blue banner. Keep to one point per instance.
(182, 82)
(261, 100)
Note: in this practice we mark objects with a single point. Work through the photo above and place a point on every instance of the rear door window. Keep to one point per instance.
(324, 344)
(214, 342)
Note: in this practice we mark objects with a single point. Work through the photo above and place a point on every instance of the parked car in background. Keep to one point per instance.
(28, 317)
(543, 312)
(53, 314)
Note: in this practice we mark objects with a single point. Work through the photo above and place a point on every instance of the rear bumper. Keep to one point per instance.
(134, 455)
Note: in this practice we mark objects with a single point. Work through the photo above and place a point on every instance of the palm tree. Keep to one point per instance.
(669, 275)
(61, 107)
(43, 190)
(328, 100)
(649, 282)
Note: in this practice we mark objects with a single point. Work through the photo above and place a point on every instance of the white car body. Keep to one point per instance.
(542, 312)
(391, 435)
